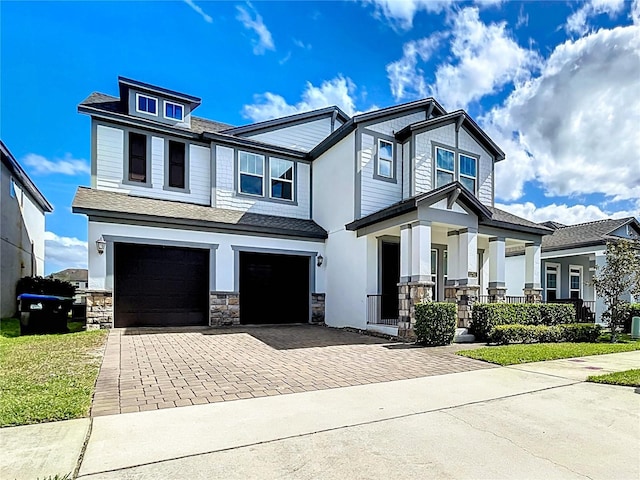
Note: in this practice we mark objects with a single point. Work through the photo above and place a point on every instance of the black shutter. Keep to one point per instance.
(137, 157)
(176, 164)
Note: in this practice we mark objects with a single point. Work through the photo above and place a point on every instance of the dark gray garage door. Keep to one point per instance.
(274, 288)
(160, 286)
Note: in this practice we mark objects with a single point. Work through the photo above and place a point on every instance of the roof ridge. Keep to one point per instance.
(602, 220)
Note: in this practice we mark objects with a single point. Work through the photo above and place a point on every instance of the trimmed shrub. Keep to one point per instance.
(45, 286)
(570, 332)
(487, 316)
(436, 323)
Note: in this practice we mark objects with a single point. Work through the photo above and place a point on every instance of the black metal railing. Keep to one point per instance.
(382, 309)
(515, 299)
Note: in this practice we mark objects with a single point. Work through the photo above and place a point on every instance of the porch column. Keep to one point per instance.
(405, 253)
(453, 252)
(532, 290)
(467, 291)
(421, 251)
(497, 286)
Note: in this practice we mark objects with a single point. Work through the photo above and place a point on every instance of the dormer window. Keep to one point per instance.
(145, 104)
(173, 111)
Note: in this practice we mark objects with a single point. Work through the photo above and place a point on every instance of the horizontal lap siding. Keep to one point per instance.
(227, 198)
(406, 170)
(485, 168)
(302, 137)
(376, 194)
(111, 160)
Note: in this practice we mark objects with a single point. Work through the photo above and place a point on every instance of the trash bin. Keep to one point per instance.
(43, 313)
(635, 327)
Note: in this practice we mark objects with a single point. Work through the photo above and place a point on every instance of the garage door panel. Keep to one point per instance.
(161, 286)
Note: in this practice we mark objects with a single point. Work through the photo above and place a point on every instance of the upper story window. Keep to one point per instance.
(468, 172)
(145, 104)
(137, 157)
(385, 158)
(281, 178)
(251, 173)
(12, 189)
(445, 167)
(177, 164)
(575, 281)
(173, 111)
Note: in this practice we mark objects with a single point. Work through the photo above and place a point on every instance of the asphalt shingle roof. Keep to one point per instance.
(92, 201)
(502, 216)
(582, 234)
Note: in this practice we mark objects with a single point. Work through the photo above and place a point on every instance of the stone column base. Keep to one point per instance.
(410, 293)
(99, 309)
(224, 309)
(533, 295)
(317, 307)
(466, 296)
(497, 294)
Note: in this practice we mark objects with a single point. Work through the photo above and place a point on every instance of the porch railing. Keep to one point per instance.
(515, 299)
(378, 307)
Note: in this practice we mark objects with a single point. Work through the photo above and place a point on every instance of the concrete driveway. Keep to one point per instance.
(154, 368)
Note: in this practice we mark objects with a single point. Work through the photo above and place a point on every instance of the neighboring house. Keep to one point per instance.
(78, 277)
(570, 257)
(21, 229)
(311, 217)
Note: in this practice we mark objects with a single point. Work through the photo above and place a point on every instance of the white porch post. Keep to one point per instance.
(497, 284)
(453, 252)
(420, 251)
(532, 290)
(468, 266)
(405, 253)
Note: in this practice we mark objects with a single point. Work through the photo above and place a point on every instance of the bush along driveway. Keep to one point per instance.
(47, 377)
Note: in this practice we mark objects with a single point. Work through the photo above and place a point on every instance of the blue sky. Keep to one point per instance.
(556, 84)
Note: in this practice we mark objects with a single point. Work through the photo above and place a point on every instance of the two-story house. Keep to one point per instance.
(21, 229)
(310, 217)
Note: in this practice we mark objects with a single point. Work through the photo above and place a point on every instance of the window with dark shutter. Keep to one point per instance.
(137, 157)
(176, 164)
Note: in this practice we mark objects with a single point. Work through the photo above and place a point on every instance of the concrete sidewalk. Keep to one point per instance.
(534, 420)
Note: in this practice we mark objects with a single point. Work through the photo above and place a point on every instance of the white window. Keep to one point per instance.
(445, 167)
(385, 159)
(251, 173)
(281, 172)
(173, 111)
(468, 172)
(552, 282)
(145, 104)
(575, 281)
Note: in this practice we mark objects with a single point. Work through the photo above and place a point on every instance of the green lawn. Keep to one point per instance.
(537, 352)
(629, 378)
(47, 377)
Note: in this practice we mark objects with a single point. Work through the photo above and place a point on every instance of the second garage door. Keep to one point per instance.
(274, 288)
(160, 286)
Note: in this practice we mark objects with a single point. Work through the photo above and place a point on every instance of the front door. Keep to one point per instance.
(389, 279)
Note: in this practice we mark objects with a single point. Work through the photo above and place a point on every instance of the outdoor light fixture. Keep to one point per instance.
(320, 260)
(100, 245)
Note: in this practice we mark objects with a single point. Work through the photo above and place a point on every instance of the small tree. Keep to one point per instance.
(620, 275)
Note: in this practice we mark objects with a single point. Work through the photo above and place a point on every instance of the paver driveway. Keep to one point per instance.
(151, 368)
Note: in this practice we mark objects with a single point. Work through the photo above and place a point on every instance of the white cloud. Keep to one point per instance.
(64, 252)
(198, 9)
(578, 21)
(301, 44)
(563, 213)
(635, 12)
(338, 91)
(523, 18)
(67, 166)
(405, 77)
(254, 23)
(574, 128)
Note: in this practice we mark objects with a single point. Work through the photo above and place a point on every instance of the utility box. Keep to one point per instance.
(635, 327)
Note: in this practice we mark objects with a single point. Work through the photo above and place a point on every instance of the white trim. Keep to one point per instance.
(580, 289)
(240, 173)
(558, 272)
(164, 110)
(138, 95)
(452, 172)
(461, 175)
(292, 181)
(386, 159)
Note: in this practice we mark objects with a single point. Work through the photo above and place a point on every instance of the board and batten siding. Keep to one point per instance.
(303, 137)
(485, 166)
(225, 194)
(376, 194)
(423, 160)
(110, 161)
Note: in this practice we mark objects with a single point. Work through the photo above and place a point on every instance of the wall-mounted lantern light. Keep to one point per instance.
(320, 260)
(101, 244)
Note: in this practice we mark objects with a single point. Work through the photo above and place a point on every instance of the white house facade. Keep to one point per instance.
(22, 227)
(314, 217)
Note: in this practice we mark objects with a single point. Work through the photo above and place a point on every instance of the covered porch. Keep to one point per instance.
(443, 246)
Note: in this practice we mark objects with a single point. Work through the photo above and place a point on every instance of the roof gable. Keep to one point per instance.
(586, 234)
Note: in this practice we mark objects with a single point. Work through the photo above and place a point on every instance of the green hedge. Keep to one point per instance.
(486, 316)
(436, 323)
(570, 332)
